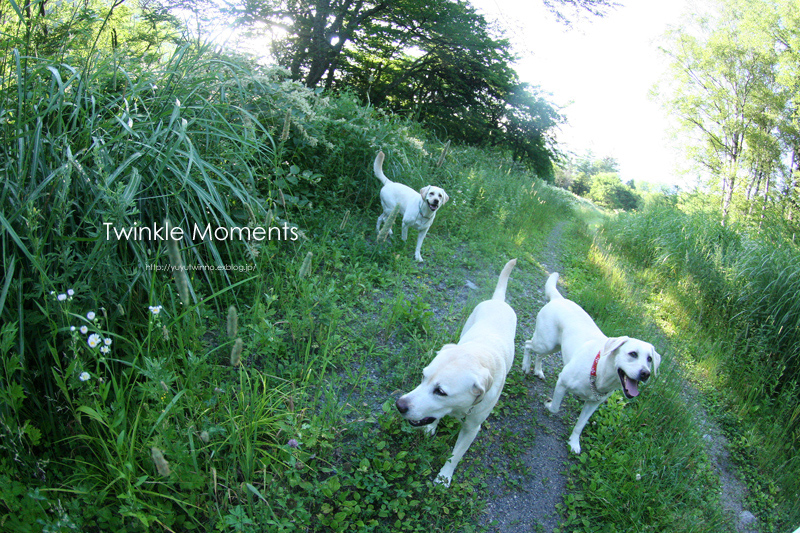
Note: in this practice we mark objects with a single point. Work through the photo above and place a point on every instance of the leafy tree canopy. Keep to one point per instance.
(439, 60)
(733, 88)
(608, 190)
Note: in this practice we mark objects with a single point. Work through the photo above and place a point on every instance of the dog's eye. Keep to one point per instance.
(649, 358)
(634, 355)
(439, 392)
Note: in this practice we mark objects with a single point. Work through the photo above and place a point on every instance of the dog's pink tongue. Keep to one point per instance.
(632, 386)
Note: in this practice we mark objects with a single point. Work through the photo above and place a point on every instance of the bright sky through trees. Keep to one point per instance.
(602, 70)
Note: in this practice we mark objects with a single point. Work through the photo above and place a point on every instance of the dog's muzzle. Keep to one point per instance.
(630, 387)
(402, 406)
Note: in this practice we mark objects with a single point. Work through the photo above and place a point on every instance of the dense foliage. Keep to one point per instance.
(598, 180)
(440, 62)
(734, 88)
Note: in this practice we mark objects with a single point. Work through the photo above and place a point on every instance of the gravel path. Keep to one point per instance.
(543, 461)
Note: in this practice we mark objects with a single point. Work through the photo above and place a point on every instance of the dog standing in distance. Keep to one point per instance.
(418, 209)
(594, 365)
(465, 379)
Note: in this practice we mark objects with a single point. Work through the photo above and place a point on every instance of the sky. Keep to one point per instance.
(601, 71)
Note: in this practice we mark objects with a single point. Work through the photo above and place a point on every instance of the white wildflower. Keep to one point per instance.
(84, 376)
(94, 340)
(84, 330)
(70, 292)
(105, 349)
(62, 297)
(90, 315)
(107, 341)
(155, 309)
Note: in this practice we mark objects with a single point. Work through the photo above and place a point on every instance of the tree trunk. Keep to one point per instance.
(764, 205)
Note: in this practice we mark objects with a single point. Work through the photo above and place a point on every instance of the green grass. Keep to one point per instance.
(723, 296)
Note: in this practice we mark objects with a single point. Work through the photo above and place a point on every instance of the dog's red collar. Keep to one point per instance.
(593, 377)
(593, 373)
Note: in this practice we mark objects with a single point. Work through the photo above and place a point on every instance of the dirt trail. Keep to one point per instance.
(734, 490)
(541, 467)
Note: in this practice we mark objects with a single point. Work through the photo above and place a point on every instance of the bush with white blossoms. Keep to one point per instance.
(88, 333)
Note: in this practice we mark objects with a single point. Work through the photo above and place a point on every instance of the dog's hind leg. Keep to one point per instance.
(574, 439)
(526, 361)
(382, 220)
(539, 351)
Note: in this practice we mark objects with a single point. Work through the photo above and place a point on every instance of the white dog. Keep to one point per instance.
(465, 379)
(418, 209)
(594, 365)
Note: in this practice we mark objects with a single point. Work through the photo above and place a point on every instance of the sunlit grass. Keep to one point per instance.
(725, 297)
(644, 463)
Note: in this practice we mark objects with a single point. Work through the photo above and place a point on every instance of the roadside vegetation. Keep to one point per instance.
(257, 395)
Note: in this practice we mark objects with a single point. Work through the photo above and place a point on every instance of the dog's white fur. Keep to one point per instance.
(624, 362)
(465, 379)
(418, 209)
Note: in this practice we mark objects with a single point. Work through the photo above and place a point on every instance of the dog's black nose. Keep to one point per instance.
(644, 375)
(401, 405)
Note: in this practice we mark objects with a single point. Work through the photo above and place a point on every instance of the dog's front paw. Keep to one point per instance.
(539, 374)
(418, 258)
(442, 479)
(549, 405)
(575, 446)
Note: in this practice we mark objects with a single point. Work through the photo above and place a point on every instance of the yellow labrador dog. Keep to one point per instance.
(418, 209)
(594, 365)
(465, 379)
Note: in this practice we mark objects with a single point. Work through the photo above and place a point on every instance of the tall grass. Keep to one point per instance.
(737, 291)
(96, 144)
(644, 465)
(92, 149)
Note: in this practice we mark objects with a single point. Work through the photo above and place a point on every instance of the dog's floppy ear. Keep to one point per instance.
(656, 360)
(483, 382)
(613, 343)
(424, 191)
(445, 197)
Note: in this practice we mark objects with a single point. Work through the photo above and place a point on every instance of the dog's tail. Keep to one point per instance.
(377, 167)
(502, 283)
(550, 288)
